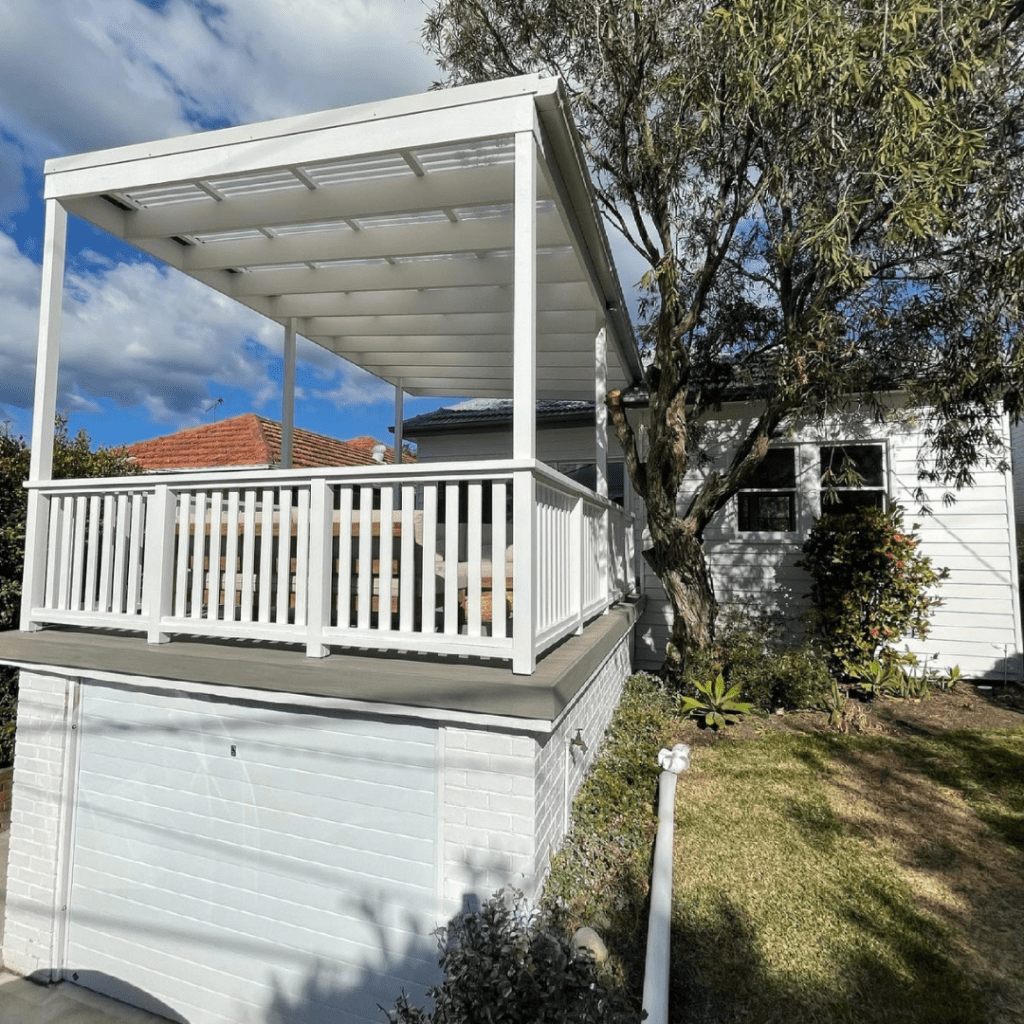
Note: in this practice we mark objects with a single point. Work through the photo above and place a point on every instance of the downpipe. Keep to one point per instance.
(659, 924)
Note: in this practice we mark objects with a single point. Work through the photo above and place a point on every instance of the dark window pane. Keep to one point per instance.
(767, 512)
(840, 502)
(586, 473)
(863, 459)
(777, 470)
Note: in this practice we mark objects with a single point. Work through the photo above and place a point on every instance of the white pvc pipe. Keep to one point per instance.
(659, 925)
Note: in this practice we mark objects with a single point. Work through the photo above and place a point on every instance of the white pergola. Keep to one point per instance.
(448, 243)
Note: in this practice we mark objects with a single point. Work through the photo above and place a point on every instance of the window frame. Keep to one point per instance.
(792, 491)
(883, 489)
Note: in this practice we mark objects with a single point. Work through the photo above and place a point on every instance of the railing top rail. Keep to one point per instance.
(376, 476)
(371, 475)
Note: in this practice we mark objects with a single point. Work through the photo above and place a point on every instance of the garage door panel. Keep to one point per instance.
(359, 803)
(196, 872)
(246, 870)
(179, 722)
(255, 844)
(216, 902)
(364, 781)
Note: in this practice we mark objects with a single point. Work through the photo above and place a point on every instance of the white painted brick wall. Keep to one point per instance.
(35, 822)
(488, 839)
(504, 793)
(554, 788)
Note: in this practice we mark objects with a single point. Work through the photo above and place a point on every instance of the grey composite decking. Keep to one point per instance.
(418, 681)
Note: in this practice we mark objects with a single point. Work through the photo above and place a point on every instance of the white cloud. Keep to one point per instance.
(77, 75)
(144, 337)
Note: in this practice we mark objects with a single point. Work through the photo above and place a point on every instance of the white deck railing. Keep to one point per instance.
(405, 558)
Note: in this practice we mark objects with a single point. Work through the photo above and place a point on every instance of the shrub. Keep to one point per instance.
(505, 964)
(751, 652)
(870, 587)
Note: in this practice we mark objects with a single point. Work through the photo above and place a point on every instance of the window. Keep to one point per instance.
(768, 502)
(586, 473)
(852, 476)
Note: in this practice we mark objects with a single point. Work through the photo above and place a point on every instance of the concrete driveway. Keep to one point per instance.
(24, 1002)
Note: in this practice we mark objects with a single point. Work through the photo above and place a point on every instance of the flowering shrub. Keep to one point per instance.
(872, 587)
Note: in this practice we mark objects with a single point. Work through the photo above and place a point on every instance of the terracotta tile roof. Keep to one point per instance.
(250, 440)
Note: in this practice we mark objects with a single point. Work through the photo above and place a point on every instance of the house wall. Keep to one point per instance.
(978, 624)
(37, 813)
(502, 791)
(1017, 457)
(506, 795)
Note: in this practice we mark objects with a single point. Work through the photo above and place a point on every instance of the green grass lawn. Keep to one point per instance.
(818, 876)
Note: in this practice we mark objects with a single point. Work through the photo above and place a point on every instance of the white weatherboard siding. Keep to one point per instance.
(977, 626)
(565, 444)
(297, 875)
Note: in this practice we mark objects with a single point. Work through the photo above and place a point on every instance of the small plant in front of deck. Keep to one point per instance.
(716, 704)
(871, 588)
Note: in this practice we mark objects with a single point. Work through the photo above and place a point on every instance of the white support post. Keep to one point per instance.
(321, 559)
(44, 408)
(601, 450)
(288, 396)
(159, 578)
(524, 404)
(399, 413)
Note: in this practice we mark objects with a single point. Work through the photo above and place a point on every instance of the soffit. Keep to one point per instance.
(386, 231)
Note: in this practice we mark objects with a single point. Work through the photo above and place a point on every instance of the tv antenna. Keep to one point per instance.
(213, 408)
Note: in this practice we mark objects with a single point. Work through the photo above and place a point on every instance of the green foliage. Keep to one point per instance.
(871, 587)
(715, 704)
(826, 197)
(507, 964)
(73, 458)
(751, 651)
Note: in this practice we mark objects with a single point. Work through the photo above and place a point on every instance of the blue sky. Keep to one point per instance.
(146, 351)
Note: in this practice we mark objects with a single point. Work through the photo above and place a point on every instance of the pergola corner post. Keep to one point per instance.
(601, 450)
(44, 409)
(288, 397)
(399, 413)
(524, 405)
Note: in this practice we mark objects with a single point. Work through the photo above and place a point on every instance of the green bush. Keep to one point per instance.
(506, 964)
(871, 587)
(751, 652)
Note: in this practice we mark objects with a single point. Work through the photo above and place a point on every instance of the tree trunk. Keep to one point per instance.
(679, 561)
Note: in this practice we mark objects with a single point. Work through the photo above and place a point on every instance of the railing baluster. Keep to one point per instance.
(214, 573)
(386, 547)
(75, 599)
(321, 536)
(120, 543)
(137, 539)
(248, 555)
(451, 558)
(231, 557)
(302, 557)
(364, 581)
(344, 601)
(199, 556)
(284, 556)
(107, 555)
(266, 554)
(184, 519)
(499, 545)
(474, 558)
(67, 505)
(407, 561)
(429, 572)
(93, 554)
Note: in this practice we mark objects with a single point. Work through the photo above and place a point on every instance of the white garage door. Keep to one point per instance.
(235, 863)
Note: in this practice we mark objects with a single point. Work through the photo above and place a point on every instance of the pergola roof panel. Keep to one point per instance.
(408, 204)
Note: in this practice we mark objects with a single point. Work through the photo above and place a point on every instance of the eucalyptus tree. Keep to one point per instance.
(827, 194)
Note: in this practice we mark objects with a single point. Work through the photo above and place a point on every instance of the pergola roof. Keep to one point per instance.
(385, 230)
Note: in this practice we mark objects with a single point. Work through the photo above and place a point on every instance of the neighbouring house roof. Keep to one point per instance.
(250, 440)
(495, 414)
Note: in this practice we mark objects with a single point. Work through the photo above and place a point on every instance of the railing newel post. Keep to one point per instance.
(158, 578)
(320, 566)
